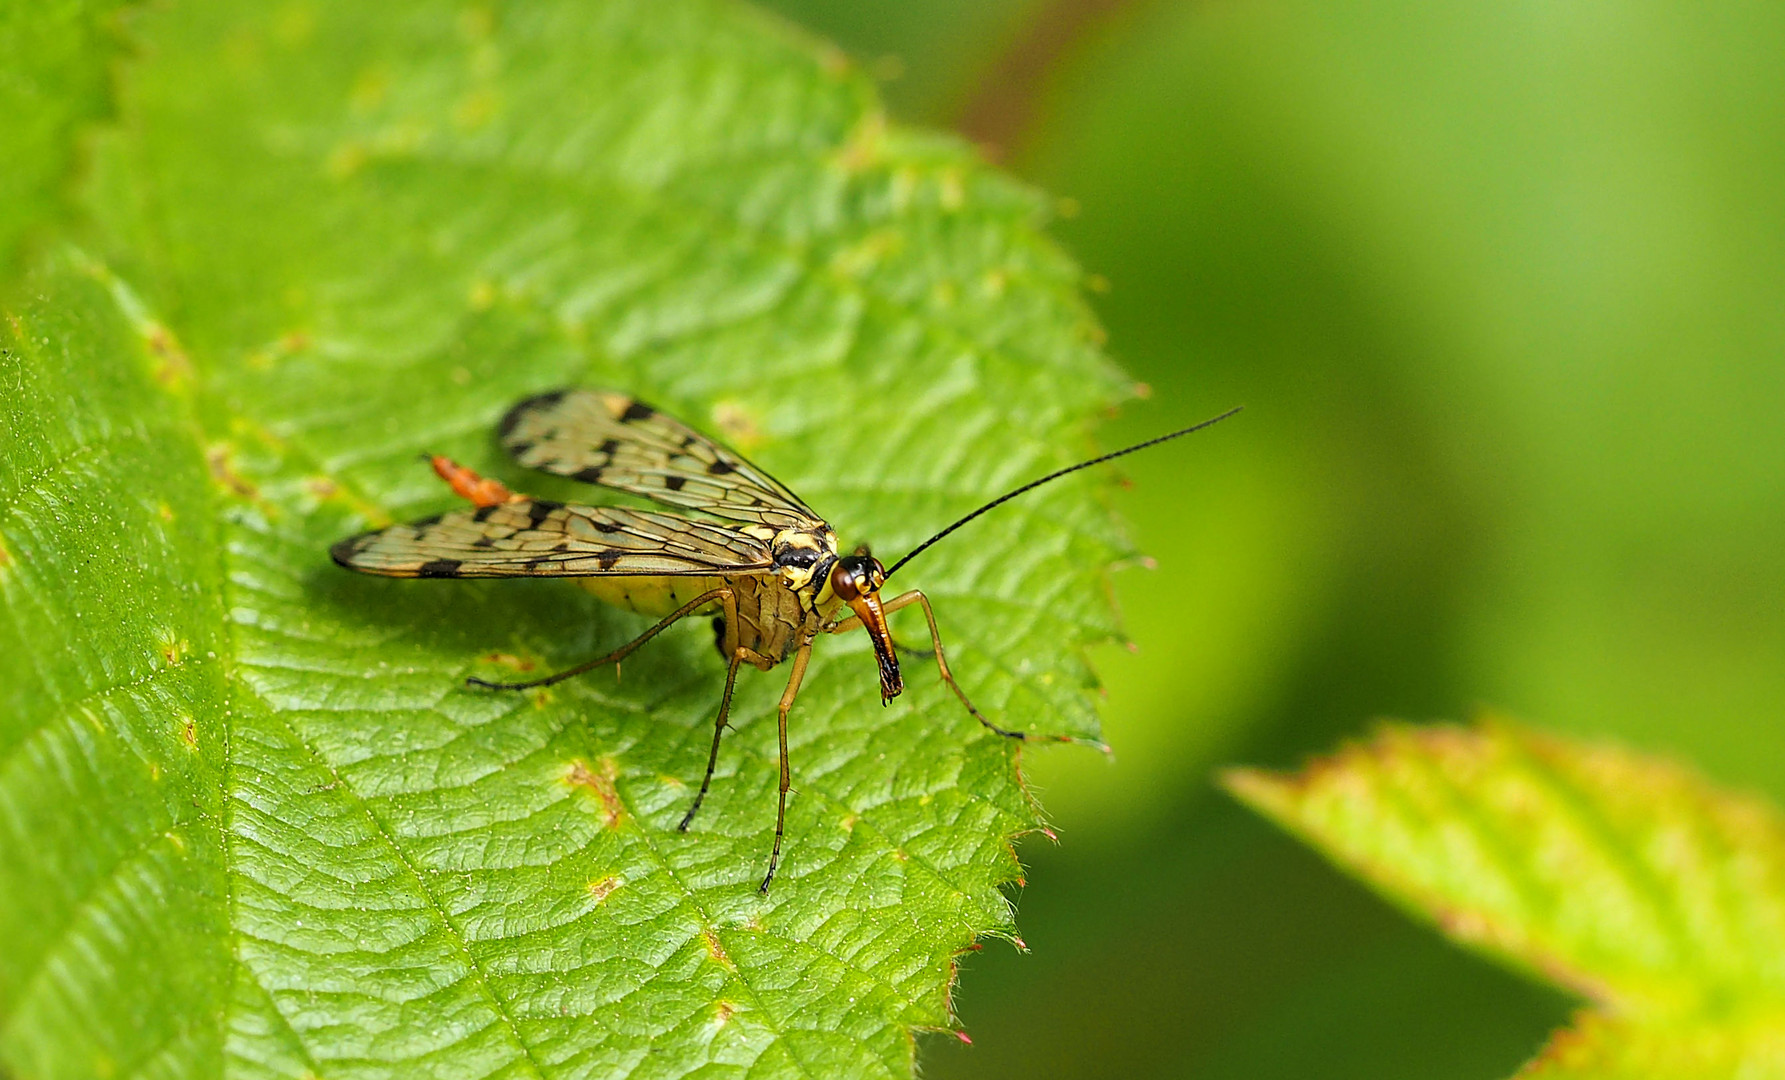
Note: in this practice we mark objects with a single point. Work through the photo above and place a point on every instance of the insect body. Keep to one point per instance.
(760, 561)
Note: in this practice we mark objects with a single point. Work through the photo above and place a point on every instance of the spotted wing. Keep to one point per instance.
(607, 438)
(536, 538)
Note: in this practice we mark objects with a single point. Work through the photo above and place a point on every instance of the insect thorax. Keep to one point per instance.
(777, 608)
(803, 556)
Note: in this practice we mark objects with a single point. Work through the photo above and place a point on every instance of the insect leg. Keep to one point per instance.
(916, 596)
(792, 691)
(913, 651)
(731, 677)
(723, 594)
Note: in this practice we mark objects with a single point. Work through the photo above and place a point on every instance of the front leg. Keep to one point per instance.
(916, 596)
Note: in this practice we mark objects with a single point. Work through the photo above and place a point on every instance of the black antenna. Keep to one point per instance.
(1009, 495)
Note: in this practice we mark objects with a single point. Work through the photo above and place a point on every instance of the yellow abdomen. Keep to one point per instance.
(652, 595)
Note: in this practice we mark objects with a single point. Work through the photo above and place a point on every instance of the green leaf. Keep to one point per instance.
(1628, 879)
(251, 822)
(53, 80)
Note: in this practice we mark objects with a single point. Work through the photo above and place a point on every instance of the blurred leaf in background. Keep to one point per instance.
(1499, 286)
(1627, 879)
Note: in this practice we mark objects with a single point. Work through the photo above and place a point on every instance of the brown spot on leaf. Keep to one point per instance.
(217, 457)
(603, 888)
(189, 733)
(736, 425)
(170, 366)
(716, 950)
(722, 1012)
(601, 784)
(509, 661)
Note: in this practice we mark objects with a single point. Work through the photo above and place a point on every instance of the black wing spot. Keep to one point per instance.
(674, 483)
(590, 475)
(562, 546)
(605, 526)
(485, 541)
(483, 513)
(521, 408)
(439, 568)
(610, 447)
(638, 410)
(540, 509)
(720, 468)
(607, 559)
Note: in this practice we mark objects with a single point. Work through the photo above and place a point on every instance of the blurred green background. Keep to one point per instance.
(1503, 289)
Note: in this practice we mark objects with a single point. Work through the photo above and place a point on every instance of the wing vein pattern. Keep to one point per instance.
(608, 438)
(540, 538)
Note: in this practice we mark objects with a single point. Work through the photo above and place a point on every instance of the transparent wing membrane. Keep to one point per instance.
(537, 538)
(607, 438)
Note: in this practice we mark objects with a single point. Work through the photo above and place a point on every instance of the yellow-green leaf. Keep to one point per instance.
(1628, 879)
(52, 81)
(252, 823)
